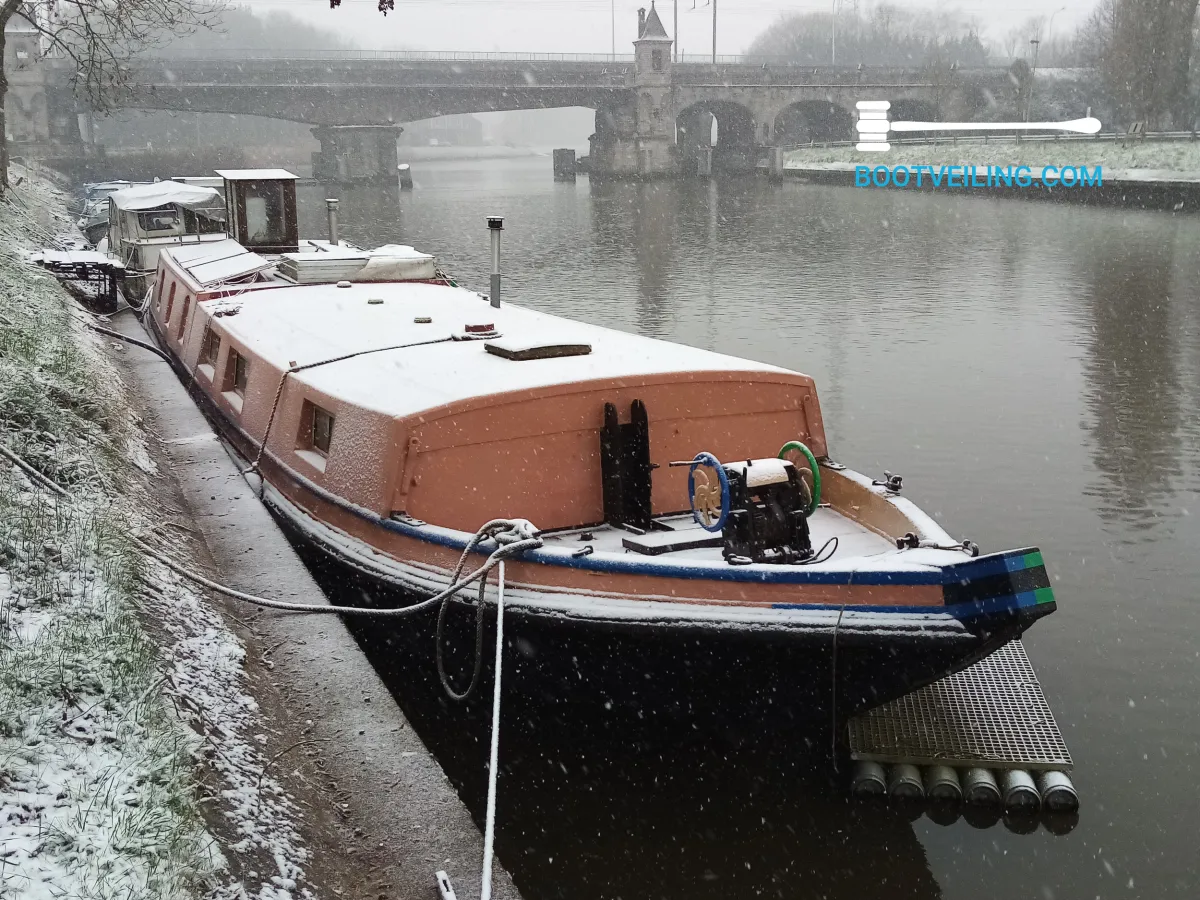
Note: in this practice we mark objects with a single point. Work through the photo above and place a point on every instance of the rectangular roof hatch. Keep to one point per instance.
(516, 349)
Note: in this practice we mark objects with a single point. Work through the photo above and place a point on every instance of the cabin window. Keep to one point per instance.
(187, 307)
(236, 373)
(158, 220)
(265, 213)
(170, 304)
(316, 434)
(233, 383)
(239, 373)
(322, 429)
(211, 346)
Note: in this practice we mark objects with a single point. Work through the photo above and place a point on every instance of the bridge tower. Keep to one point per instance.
(655, 109)
(638, 137)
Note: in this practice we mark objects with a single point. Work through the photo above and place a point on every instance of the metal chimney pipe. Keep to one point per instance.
(331, 205)
(495, 226)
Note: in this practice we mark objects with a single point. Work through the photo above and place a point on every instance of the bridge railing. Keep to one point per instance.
(396, 55)
(691, 59)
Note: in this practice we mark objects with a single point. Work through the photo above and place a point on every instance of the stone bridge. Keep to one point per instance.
(654, 116)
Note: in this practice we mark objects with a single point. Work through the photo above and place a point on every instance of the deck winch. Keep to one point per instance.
(760, 507)
(768, 514)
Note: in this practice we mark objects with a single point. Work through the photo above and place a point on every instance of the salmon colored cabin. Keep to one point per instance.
(543, 441)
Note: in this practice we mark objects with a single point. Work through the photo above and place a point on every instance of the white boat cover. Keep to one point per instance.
(218, 262)
(166, 193)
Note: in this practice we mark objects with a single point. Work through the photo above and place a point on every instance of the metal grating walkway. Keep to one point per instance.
(992, 714)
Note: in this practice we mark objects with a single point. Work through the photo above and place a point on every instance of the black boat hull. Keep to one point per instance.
(808, 677)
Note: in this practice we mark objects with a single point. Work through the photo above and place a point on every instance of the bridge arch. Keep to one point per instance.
(812, 120)
(725, 128)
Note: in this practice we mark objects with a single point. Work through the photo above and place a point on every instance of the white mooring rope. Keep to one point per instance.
(489, 827)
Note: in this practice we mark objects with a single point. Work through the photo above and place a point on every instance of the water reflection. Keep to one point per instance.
(641, 216)
(1033, 370)
(637, 799)
(1133, 394)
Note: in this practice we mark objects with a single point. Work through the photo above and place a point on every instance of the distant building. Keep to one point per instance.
(445, 131)
(27, 123)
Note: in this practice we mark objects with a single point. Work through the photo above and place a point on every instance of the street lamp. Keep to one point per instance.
(1050, 27)
(714, 6)
(833, 36)
(1035, 43)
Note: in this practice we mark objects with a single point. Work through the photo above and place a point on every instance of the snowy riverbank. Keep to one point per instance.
(1169, 156)
(131, 763)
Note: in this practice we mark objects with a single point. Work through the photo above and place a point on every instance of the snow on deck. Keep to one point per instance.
(310, 323)
(854, 541)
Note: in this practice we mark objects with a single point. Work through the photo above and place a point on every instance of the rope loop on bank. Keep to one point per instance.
(511, 536)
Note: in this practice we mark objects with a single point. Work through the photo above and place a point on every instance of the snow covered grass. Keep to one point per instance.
(100, 775)
(1175, 156)
(96, 774)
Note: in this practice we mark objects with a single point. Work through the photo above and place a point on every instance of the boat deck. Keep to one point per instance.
(854, 541)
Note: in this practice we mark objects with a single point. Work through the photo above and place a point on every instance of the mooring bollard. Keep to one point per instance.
(564, 164)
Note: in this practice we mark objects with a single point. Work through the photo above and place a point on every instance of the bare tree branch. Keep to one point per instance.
(101, 40)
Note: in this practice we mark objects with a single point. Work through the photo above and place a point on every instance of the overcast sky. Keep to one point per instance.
(585, 26)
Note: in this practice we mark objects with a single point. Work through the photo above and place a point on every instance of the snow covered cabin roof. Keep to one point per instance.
(256, 174)
(304, 324)
(166, 193)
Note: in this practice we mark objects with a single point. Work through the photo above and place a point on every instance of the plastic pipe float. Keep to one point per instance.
(980, 788)
(1058, 793)
(941, 785)
(904, 783)
(1020, 793)
(869, 780)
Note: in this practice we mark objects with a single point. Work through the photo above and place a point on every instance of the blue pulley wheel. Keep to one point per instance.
(709, 500)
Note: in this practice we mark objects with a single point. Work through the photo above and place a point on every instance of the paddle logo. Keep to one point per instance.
(873, 128)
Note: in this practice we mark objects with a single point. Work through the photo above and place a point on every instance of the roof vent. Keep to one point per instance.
(478, 332)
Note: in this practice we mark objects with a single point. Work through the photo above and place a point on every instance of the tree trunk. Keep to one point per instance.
(3, 111)
(7, 8)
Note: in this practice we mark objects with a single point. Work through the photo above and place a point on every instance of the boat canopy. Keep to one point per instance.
(166, 193)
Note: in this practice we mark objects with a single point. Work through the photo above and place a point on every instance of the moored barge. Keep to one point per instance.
(687, 501)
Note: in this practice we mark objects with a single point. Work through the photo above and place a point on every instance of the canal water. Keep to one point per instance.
(1033, 371)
